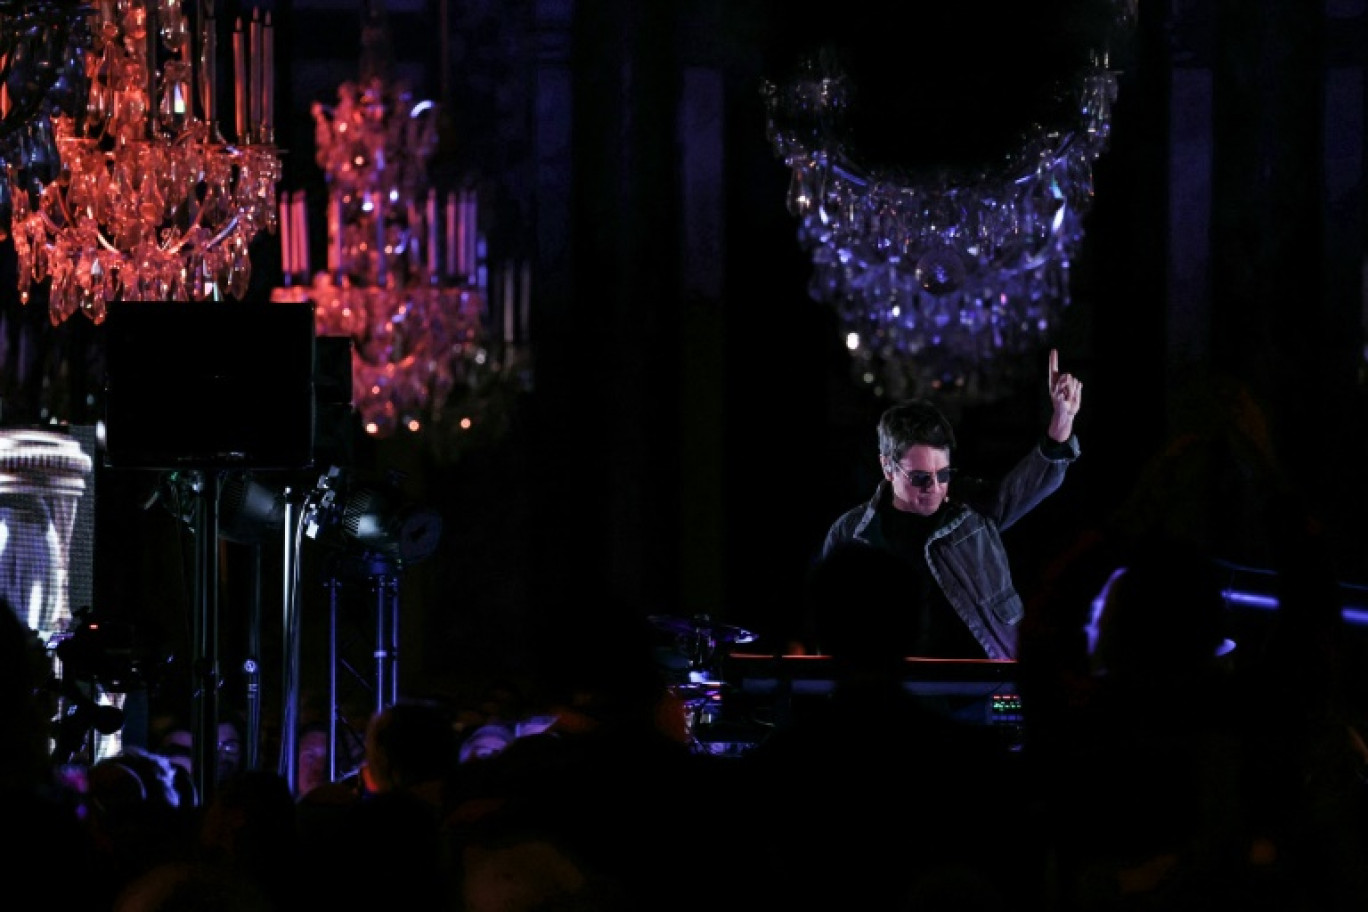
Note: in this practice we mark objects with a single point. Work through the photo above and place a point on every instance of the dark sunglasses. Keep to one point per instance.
(923, 480)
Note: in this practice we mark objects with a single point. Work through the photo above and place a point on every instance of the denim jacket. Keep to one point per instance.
(965, 552)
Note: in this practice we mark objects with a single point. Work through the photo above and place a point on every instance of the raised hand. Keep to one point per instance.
(1066, 395)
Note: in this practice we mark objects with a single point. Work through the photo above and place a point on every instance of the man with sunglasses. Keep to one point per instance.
(959, 581)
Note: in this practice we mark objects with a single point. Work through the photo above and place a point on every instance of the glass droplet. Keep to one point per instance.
(940, 271)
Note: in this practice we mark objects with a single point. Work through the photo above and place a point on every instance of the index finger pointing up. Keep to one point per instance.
(1054, 364)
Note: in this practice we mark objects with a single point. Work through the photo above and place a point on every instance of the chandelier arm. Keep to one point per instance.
(175, 245)
(218, 238)
(105, 242)
(1064, 149)
(848, 172)
(187, 136)
(48, 224)
(54, 229)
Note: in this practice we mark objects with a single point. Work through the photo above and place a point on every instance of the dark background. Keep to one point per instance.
(690, 425)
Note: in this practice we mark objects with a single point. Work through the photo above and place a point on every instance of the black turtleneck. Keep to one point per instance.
(940, 631)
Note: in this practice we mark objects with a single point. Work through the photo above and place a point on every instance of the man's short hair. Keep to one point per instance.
(913, 422)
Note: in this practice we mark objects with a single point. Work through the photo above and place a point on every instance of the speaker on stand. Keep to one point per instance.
(204, 389)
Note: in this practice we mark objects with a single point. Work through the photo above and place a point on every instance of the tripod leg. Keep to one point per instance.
(289, 690)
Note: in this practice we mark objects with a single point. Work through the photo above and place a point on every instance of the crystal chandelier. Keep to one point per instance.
(415, 317)
(150, 202)
(937, 279)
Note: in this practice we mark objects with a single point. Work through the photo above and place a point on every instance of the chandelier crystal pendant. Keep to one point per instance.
(150, 201)
(412, 305)
(937, 279)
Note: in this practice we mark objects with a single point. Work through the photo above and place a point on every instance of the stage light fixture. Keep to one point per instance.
(250, 510)
(373, 517)
(378, 519)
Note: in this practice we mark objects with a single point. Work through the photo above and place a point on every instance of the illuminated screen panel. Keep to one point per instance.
(47, 523)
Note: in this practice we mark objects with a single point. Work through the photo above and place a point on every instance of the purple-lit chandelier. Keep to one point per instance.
(937, 278)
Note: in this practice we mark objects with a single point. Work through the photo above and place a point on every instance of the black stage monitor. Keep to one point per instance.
(203, 384)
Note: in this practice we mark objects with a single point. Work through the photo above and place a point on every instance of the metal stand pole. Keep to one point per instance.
(333, 586)
(204, 706)
(251, 666)
(394, 640)
(386, 641)
(289, 690)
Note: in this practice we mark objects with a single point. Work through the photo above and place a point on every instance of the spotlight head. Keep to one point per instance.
(250, 512)
(378, 520)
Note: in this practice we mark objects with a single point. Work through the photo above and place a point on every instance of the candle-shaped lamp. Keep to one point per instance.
(430, 213)
(286, 218)
(301, 235)
(525, 301)
(208, 73)
(509, 303)
(255, 83)
(452, 263)
(268, 80)
(470, 233)
(338, 240)
(239, 83)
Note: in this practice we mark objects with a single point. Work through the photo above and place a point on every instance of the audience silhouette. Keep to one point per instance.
(1191, 756)
(1143, 770)
(1166, 765)
(1307, 683)
(382, 835)
(610, 807)
(44, 835)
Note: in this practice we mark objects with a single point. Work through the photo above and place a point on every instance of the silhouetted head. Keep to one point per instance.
(1163, 613)
(410, 742)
